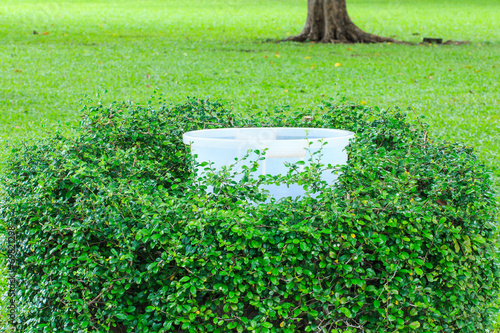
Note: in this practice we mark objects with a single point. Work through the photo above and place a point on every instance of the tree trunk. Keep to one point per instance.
(328, 22)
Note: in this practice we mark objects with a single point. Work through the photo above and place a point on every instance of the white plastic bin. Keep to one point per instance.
(222, 147)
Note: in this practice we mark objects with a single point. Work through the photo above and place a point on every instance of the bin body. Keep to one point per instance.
(223, 147)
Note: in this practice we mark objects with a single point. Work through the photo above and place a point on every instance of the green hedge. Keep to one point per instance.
(114, 234)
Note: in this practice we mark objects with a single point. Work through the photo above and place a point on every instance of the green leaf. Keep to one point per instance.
(345, 311)
(121, 316)
(254, 244)
(414, 325)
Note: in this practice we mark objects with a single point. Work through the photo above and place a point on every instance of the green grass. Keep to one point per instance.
(225, 49)
(220, 49)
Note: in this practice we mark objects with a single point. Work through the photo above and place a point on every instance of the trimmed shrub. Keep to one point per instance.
(114, 233)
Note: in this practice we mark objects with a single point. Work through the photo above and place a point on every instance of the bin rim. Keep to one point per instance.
(326, 133)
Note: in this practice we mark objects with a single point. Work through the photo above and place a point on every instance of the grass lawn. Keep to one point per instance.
(57, 55)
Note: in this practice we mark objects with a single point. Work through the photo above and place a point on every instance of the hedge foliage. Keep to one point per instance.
(114, 233)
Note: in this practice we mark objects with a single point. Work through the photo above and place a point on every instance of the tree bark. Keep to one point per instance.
(328, 22)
